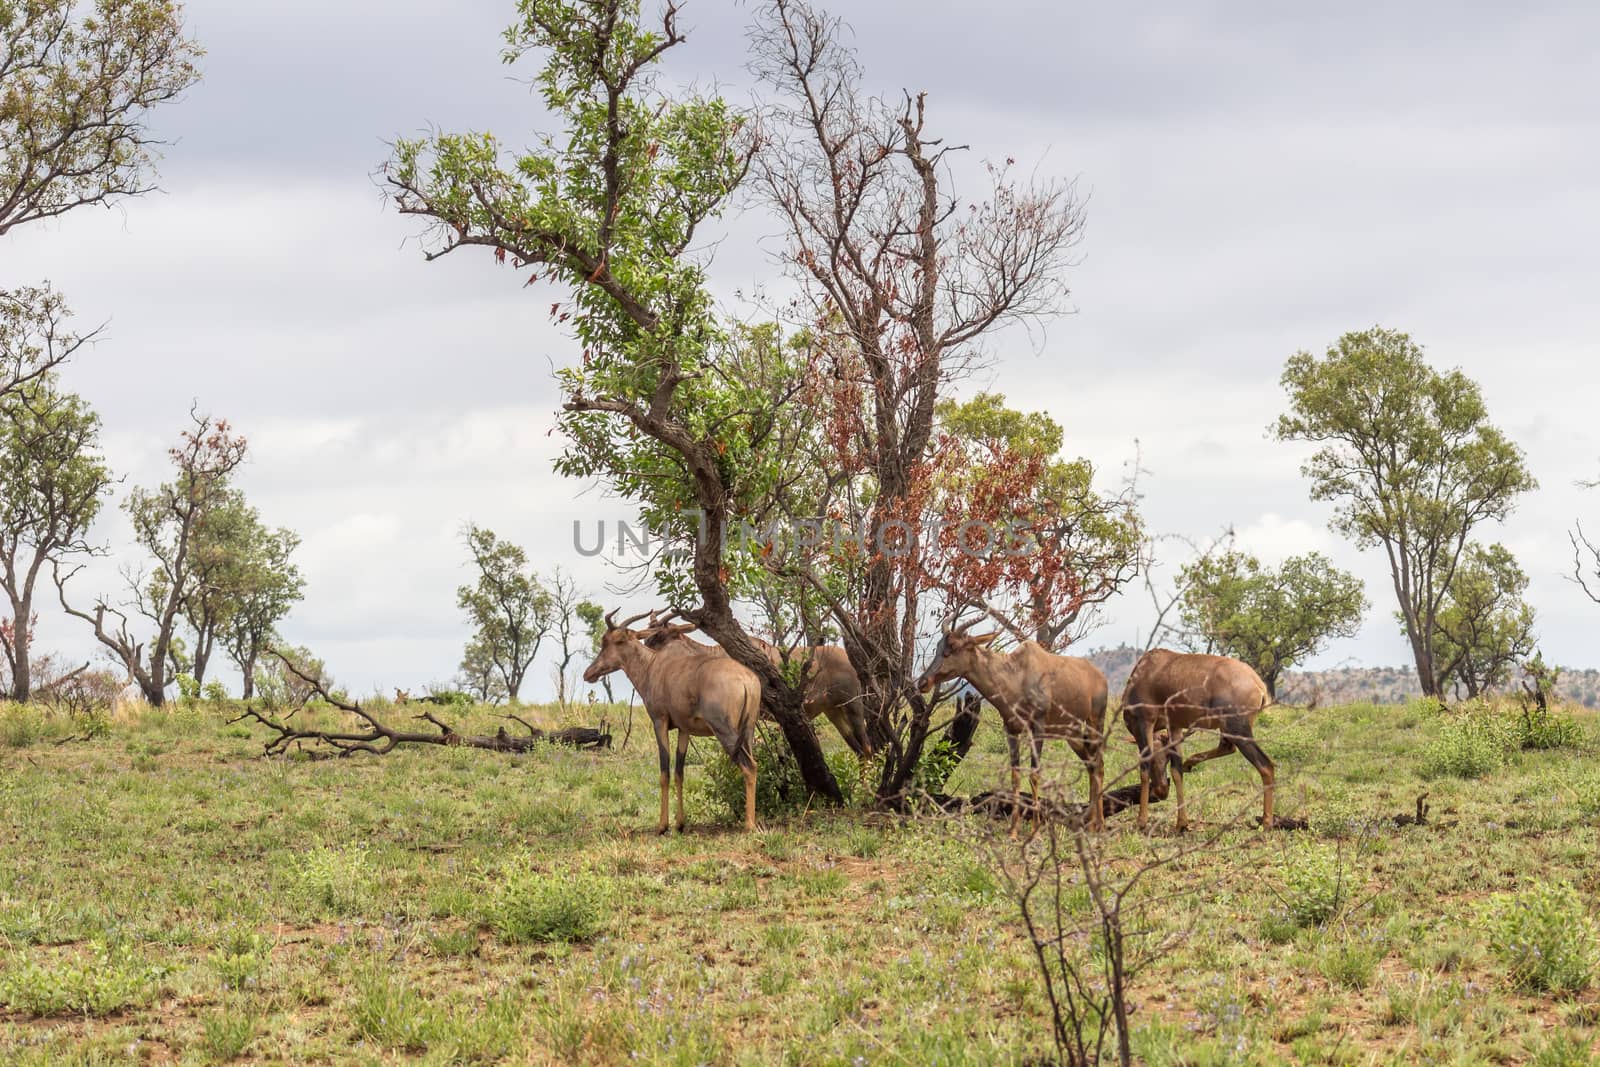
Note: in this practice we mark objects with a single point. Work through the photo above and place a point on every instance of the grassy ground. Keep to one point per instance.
(165, 895)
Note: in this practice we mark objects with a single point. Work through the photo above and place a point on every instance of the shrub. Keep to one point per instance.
(1470, 746)
(1588, 795)
(214, 692)
(1315, 887)
(1544, 937)
(1563, 1049)
(1339, 815)
(539, 906)
(337, 880)
(241, 957)
(780, 789)
(1541, 728)
(115, 979)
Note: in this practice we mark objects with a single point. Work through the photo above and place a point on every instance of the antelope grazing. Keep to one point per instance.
(699, 696)
(1178, 692)
(832, 688)
(1038, 695)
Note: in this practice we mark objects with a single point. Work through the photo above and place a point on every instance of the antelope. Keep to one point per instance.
(699, 696)
(1178, 692)
(1038, 695)
(832, 688)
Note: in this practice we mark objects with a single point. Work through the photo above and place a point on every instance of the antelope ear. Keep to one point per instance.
(984, 639)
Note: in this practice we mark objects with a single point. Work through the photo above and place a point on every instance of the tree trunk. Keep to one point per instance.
(21, 672)
(249, 673)
(1271, 681)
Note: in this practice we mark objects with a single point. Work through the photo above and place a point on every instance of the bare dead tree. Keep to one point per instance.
(901, 283)
(1585, 570)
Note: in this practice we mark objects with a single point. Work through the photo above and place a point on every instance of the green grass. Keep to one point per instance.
(166, 894)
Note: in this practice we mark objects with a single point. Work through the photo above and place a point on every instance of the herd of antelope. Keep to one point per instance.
(700, 691)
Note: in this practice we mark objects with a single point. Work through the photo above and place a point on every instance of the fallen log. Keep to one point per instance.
(379, 738)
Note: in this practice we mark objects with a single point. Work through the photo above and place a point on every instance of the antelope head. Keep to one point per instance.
(956, 655)
(610, 656)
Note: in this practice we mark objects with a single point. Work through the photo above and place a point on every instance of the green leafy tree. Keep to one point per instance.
(479, 675)
(609, 209)
(53, 479)
(1270, 618)
(256, 587)
(35, 336)
(279, 686)
(1409, 456)
(169, 522)
(1485, 628)
(76, 88)
(1088, 543)
(510, 609)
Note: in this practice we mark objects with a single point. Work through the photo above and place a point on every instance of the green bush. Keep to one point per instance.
(780, 789)
(1544, 937)
(938, 762)
(1315, 885)
(1339, 815)
(1541, 728)
(1472, 745)
(540, 906)
(113, 980)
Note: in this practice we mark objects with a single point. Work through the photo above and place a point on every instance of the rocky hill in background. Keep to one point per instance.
(1348, 685)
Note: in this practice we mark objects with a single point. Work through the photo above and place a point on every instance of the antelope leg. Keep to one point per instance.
(683, 750)
(666, 769)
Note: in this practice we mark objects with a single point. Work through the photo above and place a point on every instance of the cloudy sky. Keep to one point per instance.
(1260, 179)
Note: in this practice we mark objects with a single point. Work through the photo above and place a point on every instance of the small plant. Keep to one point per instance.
(241, 958)
(1339, 815)
(214, 692)
(228, 1034)
(1544, 937)
(188, 688)
(1563, 1049)
(1315, 887)
(1587, 792)
(337, 880)
(539, 906)
(1351, 963)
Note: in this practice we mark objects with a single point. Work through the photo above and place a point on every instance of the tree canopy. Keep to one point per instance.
(1271, 618)
(1411, 461)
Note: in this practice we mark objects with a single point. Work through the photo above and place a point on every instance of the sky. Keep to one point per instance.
(1259, 179)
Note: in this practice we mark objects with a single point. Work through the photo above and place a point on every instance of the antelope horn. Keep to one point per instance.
(611, 619)
(631, 619)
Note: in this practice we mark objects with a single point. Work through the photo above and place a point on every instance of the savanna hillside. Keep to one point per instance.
(169, 895)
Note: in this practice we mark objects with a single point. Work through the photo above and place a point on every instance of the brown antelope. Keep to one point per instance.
(699, 696)
(1038, 695)
(832, 688)
(1175, 692)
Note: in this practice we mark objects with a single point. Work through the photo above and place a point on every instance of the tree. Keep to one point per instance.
(1585, 571)
(257, 587)
(610, 210)
(1270, 619)
(564, 614)
(903, 275)
(76, 90)
(478, 674)
(1412, 460)
(34, 336)
(281, 686)
(1485, 628)
(901, 285)
(52, 481)
(509, 607)
(593, 617)
(1082, 547)
(168, 522)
